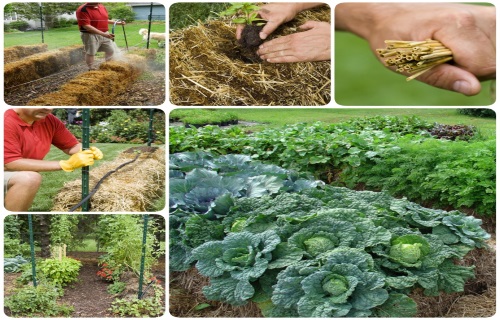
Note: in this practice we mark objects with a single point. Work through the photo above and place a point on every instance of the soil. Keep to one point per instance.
(148, 90)
(88, 295)
(250, 42)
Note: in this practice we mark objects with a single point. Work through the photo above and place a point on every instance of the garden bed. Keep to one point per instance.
(15, 53)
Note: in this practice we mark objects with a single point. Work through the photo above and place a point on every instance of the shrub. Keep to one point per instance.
(39, 301)
(146, 307)
(60, 272)
(19, 25)
(478, 112)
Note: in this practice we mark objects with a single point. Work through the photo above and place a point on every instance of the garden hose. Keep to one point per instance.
(91, 193)
(124, 34)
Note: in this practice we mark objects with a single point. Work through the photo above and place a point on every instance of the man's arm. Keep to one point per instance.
(94, 30)
(74, 149)
(32, 165)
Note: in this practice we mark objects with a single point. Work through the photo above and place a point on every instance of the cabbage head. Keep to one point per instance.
(235, 262)
(346, 285)
(409, 250)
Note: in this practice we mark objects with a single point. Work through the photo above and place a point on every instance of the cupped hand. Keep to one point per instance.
(313, 44)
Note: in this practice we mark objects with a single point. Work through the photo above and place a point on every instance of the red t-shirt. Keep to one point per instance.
(89, 15)
(24, 141)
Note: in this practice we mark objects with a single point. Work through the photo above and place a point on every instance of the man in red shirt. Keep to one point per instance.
(93, 23)
(28, 135)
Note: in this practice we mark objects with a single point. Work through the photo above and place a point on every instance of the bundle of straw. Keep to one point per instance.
(415, 57)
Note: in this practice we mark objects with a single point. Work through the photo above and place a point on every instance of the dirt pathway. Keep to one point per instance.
(89, 294)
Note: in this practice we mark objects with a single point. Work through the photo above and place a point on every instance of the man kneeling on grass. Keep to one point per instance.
(28, 135)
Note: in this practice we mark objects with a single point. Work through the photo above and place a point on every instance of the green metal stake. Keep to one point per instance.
(150, 132)
(149, 25)
(85, 146)
(143, 257)
(32, 247)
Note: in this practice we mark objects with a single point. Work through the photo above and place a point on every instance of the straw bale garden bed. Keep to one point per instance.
(209, 68)
(383, 216)
(60, 77)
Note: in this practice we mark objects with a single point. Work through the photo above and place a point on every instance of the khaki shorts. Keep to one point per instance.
(94, 43)
(7, 175)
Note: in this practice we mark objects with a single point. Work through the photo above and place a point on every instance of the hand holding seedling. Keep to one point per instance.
(310, 45)
(467, 30)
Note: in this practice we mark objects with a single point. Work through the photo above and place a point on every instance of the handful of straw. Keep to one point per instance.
(415, 57)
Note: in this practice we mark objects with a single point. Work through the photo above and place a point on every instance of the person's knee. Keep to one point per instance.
(27, 179)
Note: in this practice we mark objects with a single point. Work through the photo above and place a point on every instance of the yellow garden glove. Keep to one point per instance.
(98, 155)
(78, 160)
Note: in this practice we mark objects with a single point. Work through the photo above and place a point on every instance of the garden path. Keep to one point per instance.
(88, 295)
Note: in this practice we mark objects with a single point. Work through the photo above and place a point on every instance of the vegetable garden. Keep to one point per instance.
(381, 216)
(84, 265)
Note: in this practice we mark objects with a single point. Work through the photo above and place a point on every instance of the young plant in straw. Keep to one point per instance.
(247, 14)
(415, 57)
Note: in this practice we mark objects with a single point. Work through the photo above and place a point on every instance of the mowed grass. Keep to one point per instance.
(53, 181)
(62, 37)
(361, 80)
(276, 117)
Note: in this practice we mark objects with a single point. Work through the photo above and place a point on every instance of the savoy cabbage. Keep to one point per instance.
(319, 251)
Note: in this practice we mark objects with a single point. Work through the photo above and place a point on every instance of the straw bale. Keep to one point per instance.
(41, 65)
(207, 68)
(130, 189)
(15, 53)
(186, 293)
(98, 87)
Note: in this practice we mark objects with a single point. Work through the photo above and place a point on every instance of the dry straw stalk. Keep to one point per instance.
(415, 57)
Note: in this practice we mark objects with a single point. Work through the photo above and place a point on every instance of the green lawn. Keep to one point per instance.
(276, 117)
(62, 37)
(361, 80)
(53, 181)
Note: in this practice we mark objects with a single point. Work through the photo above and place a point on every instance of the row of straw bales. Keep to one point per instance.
(40, 65)
(207, 69)
(130, 189)
(96, 88)
(15, 53)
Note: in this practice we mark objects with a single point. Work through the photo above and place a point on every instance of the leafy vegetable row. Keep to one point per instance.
(365, 149)
(313, 250)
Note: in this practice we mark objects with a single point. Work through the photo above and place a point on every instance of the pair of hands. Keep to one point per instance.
(81, 159)
(313, 44)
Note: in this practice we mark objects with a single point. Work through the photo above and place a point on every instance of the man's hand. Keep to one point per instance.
(467, 30)
(310, 45)
(98, 155)
(78, 160)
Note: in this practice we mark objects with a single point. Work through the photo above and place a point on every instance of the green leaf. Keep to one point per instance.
(202, 306)
(397, 306)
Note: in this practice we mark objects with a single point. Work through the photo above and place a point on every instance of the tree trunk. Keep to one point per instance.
(44, 235)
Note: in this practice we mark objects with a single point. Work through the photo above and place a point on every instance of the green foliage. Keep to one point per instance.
(39, 301)
(120, 236)
(20, 25)
(13, 245)
(246, 13)
(326, 251)
(60, 272)
(146, 307)
(390, 153)
(478, 112)
(63, 228)
(121, 11)
(116, 287)
(123, 126)
(201, 117)
(183, 14)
